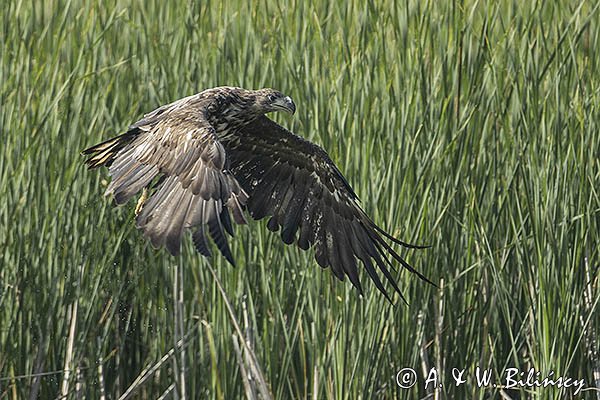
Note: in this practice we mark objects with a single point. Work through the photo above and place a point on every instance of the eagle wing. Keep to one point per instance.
(295, 183)
(176, 144)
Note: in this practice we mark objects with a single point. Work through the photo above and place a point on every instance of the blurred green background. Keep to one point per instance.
(471, 126)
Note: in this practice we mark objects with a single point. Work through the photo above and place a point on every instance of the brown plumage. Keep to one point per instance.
(208, 157)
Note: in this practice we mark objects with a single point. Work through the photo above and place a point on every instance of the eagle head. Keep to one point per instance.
(228, 106)
(269, 100)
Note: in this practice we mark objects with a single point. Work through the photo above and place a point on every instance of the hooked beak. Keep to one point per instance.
(285, 104)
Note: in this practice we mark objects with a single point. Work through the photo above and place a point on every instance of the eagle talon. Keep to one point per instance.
(141, 201)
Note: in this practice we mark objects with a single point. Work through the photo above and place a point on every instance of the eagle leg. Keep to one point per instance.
(141, 201)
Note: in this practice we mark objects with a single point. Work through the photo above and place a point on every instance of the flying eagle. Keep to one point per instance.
(206, 158)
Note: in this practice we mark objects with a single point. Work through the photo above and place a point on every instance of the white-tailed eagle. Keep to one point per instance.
(205, 159)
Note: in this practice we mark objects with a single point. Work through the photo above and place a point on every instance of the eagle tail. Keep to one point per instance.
(105, 152)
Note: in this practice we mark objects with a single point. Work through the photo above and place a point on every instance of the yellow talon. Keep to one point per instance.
(141, 201)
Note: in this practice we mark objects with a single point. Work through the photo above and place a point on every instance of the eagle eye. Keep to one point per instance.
(271, 98)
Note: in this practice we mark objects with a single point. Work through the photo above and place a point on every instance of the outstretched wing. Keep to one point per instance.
(195, 190)
(296, 183)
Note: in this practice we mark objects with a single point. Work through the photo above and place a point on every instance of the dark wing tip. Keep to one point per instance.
(216, 232)
(87, 151)
(103, 153)
(398, 241)
(200, 242)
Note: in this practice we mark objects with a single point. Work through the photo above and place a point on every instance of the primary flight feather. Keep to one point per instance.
(209, 157)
